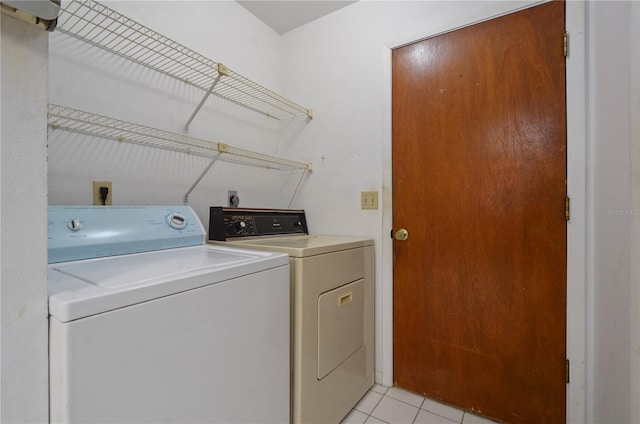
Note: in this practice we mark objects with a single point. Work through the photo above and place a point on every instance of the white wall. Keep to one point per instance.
(23, 229)
(634, 141)
(342, 63)
(339, 62)
(608, 237)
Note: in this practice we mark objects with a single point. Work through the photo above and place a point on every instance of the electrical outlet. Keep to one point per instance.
(369, 200)
(234, 199)
(97, 195)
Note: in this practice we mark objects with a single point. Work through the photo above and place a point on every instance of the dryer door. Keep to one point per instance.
(340, 325)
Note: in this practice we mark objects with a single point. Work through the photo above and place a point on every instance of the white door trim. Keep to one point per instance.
(576, 228)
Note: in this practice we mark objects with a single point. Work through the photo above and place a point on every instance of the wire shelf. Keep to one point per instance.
(78, 121)
(100, 26)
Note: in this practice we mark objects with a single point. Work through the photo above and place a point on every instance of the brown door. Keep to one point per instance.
(479, 169)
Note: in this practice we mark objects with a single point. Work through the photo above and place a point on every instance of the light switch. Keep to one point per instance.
(369, 200)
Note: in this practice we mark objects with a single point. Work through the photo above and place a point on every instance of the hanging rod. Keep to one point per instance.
(100, 26)
(78, 121)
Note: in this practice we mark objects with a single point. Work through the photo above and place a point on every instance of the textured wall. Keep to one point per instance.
(23, 224)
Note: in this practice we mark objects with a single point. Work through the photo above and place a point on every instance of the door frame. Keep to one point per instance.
(576, 190)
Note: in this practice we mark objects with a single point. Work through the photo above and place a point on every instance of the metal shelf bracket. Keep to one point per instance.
(200, 177)
(207, 94)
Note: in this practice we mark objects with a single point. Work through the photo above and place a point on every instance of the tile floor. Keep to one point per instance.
(393, 405)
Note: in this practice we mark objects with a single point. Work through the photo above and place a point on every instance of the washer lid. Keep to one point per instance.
(301, 246)
(87, 287)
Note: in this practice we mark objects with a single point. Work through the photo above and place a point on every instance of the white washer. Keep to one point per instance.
(332, 284)
(189, 333)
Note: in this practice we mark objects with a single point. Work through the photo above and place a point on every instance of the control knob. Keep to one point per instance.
(239, 226)
(74, 224)
(177, 221)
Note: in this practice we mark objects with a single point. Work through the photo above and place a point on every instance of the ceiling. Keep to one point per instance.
(283, 16)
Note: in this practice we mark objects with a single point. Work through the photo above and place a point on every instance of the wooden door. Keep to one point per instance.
(479, 171)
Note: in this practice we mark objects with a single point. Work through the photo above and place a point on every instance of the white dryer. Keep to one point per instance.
(150, 324)
(332, 291)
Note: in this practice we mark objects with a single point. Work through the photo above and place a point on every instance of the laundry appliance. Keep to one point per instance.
(332, 292)
(150, 324)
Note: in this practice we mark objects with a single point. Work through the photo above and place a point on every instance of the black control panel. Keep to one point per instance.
(233, 223)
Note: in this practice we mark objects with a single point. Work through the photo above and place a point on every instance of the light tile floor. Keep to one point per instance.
(392, 405)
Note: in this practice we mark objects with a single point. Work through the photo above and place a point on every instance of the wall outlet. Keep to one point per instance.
(234, 199)
(98, 195)
(369, 200)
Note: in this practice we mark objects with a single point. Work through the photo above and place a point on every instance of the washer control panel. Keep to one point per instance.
(230, 223)
(83, 232)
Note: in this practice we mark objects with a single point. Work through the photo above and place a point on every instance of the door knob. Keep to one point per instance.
(402, 234)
